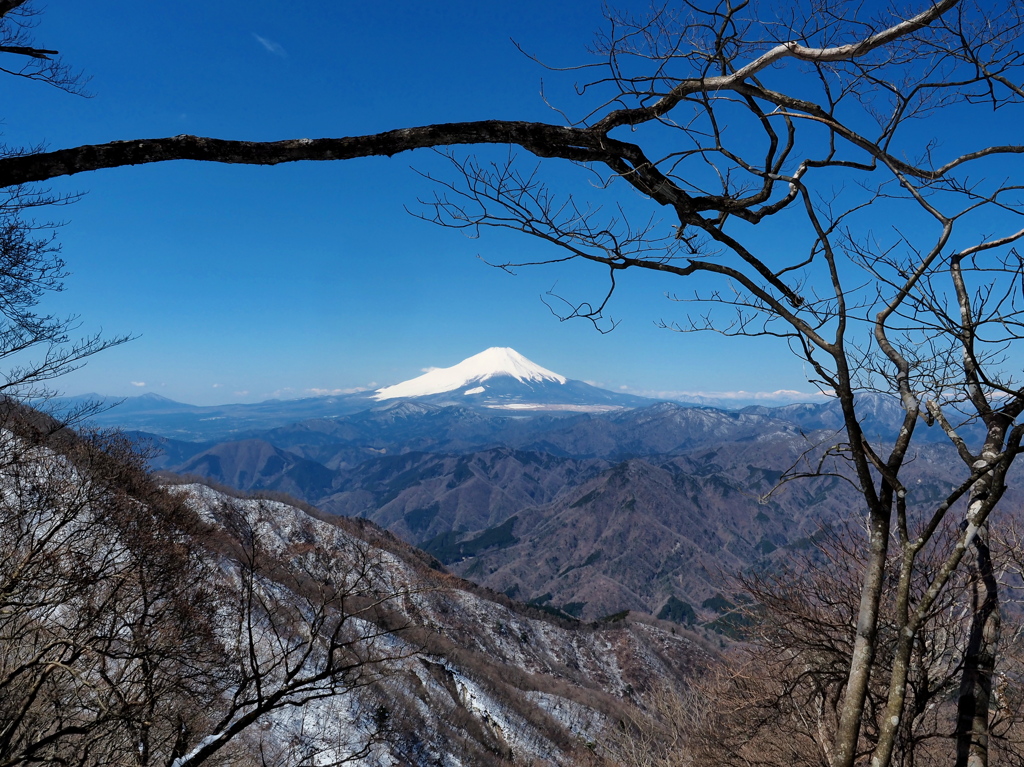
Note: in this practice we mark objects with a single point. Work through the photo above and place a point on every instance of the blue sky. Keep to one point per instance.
(245, 283)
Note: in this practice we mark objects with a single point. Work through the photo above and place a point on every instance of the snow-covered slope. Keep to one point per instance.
(496, 361)
(476, 680)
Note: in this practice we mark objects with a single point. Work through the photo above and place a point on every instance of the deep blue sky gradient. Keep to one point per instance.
(245, 283)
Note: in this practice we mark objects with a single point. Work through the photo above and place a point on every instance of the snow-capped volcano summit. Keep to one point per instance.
(500, 377)
(490, 363)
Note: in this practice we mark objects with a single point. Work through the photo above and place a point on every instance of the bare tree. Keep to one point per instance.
(778, 697)
(136, 630)
(885, 276)
(98, 624)
(35, 348)
(810, 158)
(660, 734)
(28, 60)
(304, 624)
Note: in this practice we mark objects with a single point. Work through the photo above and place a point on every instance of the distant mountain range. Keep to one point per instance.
(591, 513)
(550, 490)
(497, 379)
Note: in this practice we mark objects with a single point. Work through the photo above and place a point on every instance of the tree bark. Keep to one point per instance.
(541, 139)
(852, 711)
(972, 732)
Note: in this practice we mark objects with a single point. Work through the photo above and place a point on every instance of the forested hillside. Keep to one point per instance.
(180, 625)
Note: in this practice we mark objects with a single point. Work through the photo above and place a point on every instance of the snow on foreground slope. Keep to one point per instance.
(472, 678)
(496, 361)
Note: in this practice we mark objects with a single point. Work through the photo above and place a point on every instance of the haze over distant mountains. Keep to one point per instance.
(497, 379)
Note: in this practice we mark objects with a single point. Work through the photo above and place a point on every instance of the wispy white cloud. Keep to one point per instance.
(242, 393)
(790, 394)
(733, 398)
(138, 383)
(217, 386)
(271, 46)
(335, 392)
(428, 370)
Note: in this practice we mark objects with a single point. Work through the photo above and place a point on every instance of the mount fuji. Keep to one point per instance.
(502, 378)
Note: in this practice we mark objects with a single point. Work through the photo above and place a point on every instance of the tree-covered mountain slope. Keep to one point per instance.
(184, 625)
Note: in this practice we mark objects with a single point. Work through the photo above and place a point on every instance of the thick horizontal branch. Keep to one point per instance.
(541, 139)
(24, 50)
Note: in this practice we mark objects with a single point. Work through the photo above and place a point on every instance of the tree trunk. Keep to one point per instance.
(852, 712)
(972, 730)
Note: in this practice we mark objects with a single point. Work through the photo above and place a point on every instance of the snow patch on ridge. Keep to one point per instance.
(496, 361)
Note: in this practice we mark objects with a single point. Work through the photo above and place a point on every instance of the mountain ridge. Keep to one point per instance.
(531, 505)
